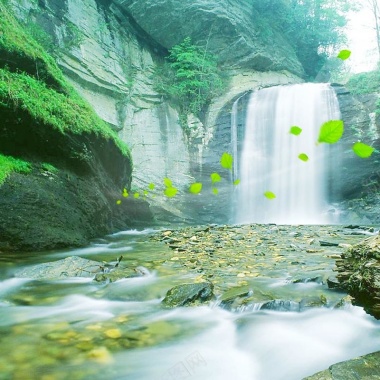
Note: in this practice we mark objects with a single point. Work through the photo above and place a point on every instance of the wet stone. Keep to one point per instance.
(188, 294)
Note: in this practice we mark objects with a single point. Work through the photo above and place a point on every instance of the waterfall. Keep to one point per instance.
(269, 158)
(234, 137)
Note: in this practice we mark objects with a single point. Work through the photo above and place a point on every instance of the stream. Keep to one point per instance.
(76, 328)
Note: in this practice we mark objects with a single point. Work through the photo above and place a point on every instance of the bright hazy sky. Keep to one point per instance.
(362, 41)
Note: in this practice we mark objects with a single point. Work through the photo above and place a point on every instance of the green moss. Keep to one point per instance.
(364, 83)
(10, 164)
(39, 87)
(49, 167)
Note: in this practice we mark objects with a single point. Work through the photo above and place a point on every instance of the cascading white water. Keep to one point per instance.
(269, 158)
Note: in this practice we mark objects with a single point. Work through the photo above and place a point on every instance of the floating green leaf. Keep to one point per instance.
(236, 182)
(195, 188)
(331, 131)
(295, 130)
(151, 186)
(362, 150)
(215, 177)
(136, 195)
(125, 193)
(170, 192)
(269, 195)
(168, 182)
(226, 160)
(303, 157)
(118, 202)
(215, 190)
(344, 54)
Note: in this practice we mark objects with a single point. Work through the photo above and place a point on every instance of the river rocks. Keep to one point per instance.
(359, 273)
(188, 294)
(75, 266)
(363, 368)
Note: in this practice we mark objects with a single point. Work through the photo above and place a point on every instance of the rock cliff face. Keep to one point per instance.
(61, 167)
(357, 181)
(109, 50)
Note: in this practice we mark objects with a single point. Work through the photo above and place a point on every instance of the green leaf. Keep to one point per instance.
(344, 54)
(170, 192)
(295, 130)
(362, 150)
(136, 195)
(303, 157)
(226, 161)
(195, 188)
(331, 131)
(215, 190)
(125, 193)
(269, 195)
(236, 182)
(168, 182)
(215, 177)
(151, 186)
(118, 202)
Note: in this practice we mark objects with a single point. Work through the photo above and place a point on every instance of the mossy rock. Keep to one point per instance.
(189, 294)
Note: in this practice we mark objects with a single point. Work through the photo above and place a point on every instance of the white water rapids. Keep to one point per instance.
(269, 158)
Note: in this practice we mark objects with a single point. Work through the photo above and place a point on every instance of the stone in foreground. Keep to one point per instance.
(364, 368)
(359, 274)
(188, 294)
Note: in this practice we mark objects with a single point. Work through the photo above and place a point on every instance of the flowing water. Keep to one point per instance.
(269, 159)
(79, 329)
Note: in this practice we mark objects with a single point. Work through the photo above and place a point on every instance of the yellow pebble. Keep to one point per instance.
(113, 333)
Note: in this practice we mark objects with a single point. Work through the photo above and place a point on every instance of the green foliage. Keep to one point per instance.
(362, 150)
(331, 132)
(226, 161)
(195, 188)
(49, 167)
(269, 195)
(41, 90)
(314, 27)
(344, 54)
(303, 157)
(215, 177)
(296, 131)
(170, 192)
(364, 83)
(190, 78)
(236, 182)
(10, 164)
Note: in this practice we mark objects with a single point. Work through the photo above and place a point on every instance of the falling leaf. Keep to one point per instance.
(136, 195)
(170, 192)
(269, 195)
(362, 150)
(295, 130)
(125, 193)
(215, 190)
(215, 177)
(236, 182)
(226, 161)
(303, 157)
(118, 202)
(195, 188)
(168, 182)
(331, 131)
(151, 186)
(344, 54)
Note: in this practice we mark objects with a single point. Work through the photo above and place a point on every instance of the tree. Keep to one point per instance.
(314, 27)
(373, 6)
(191, 78)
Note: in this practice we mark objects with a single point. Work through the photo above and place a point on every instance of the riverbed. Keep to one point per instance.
(273, 316)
